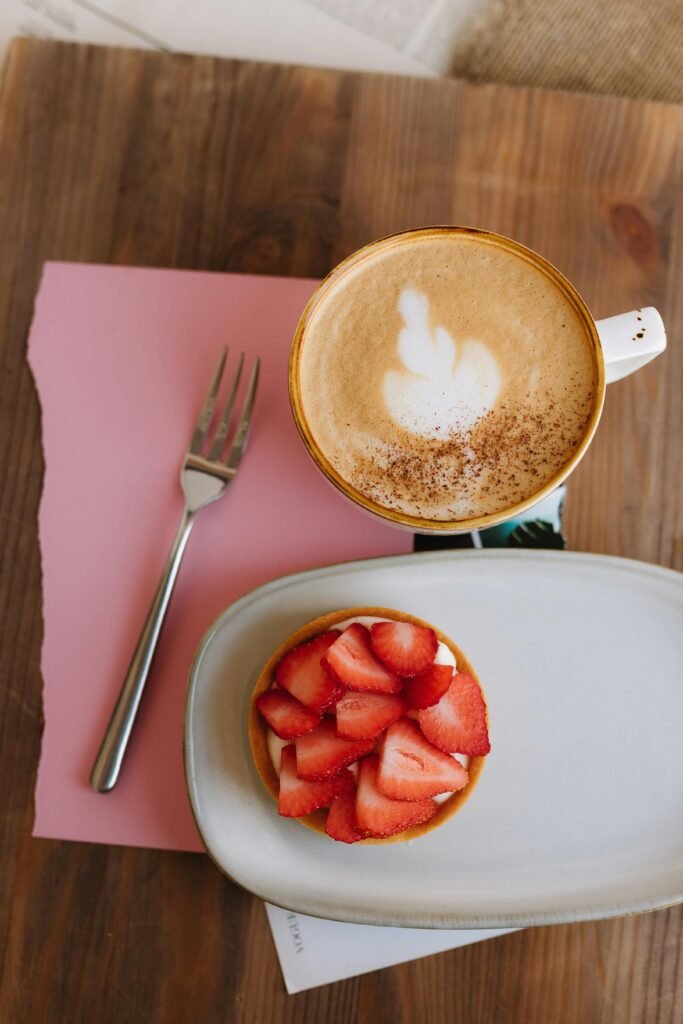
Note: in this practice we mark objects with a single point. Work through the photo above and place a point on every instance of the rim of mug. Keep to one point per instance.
(419, 523)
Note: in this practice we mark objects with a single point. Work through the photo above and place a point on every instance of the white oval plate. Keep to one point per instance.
(579, 810)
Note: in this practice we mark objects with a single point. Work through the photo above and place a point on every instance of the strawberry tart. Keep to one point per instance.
(368, 725)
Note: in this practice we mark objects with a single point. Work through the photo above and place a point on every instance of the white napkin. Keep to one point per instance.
(313, 951)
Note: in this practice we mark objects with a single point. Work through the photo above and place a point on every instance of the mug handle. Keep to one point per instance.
(630, 340)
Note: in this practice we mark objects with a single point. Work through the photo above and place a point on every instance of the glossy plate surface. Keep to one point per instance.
(579, 810)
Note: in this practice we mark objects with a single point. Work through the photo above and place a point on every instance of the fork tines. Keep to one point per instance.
(236, 451)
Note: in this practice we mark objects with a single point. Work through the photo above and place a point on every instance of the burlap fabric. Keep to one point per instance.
(621, 47)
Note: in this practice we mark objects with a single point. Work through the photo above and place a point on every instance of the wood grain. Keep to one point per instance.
(139, 158)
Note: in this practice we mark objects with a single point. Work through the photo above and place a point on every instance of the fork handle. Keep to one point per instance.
(108, 762)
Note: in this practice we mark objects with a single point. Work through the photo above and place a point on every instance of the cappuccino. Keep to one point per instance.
(444, 375)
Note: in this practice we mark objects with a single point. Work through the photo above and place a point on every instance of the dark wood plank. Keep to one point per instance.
(129, 157)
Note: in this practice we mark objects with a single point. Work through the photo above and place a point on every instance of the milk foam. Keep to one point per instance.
(441, 389)
(444, 376)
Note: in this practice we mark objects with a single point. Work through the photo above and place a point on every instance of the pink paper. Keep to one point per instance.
(122, 358)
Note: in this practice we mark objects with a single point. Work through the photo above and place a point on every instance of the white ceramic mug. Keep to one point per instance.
(630, 340)
(620, 345)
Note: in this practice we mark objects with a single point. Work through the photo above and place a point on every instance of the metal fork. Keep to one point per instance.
(203, 479)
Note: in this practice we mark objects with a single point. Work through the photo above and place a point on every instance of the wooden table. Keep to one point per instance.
(116, 156)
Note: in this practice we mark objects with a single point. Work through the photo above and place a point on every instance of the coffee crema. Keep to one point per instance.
(445, 376)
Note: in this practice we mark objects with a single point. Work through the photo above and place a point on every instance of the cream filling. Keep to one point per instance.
(444, 656)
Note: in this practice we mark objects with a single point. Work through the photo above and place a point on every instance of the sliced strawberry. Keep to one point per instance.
(429, 687)
(351, 661)
(341, 821)
(285, 715)
(411, 768)
(321, 753)
(301, 673)
(403, 647)
(457, 724)
(377, 814)
(298, 797)
(360, 716)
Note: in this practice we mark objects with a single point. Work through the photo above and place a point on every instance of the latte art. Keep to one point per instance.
(445, 375)
(440, 388)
